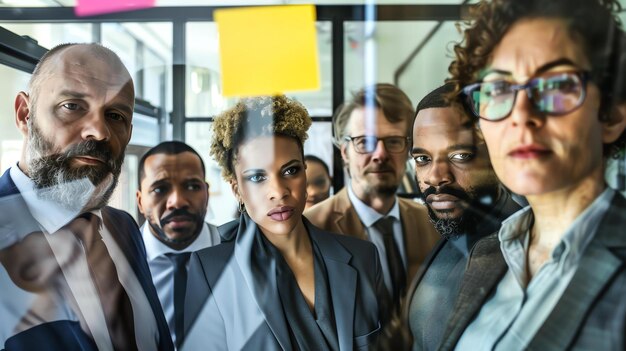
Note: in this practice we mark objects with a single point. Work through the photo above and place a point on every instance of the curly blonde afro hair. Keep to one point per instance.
(256, 117)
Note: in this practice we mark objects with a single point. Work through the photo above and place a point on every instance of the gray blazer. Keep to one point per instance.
(591, 314)
(225, 311)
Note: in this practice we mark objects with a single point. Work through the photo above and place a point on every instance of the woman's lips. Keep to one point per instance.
(282, 213)
(532, 151)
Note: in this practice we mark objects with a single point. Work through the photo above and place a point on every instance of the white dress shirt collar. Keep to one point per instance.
(155, 248)
(50, 215)
(368, 215)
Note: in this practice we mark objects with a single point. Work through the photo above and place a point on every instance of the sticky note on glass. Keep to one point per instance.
(99, 7)
(268, 50)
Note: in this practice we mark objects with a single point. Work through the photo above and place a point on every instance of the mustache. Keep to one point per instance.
(93, 148)
(382, 168)
(181, 212)
(462, 195)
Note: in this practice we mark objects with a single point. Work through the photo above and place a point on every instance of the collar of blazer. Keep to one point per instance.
(340, 273)
(598, 265)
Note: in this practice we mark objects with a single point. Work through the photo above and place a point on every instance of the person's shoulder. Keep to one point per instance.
(412, 205)
(217, 252)
(118, 215)
(321, 208)
(327, 211)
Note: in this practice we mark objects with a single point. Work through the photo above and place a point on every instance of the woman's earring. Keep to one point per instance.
(241, 207)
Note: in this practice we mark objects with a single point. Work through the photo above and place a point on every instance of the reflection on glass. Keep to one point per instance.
(203, 74)
(222, 204)
(394, 42)
(50, 35)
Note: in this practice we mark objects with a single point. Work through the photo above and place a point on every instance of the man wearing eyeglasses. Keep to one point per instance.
(372, 131)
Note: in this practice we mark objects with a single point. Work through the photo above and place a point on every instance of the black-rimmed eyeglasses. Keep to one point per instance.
(366, 144)
(552, 93)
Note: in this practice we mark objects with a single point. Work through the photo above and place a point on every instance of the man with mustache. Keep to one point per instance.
(465, 203)
(76, 275)
(372, 131)
(173, 196)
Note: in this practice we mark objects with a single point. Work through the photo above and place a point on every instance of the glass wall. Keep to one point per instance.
(203, 74)
(415, 53)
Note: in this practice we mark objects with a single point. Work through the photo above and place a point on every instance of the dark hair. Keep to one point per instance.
(254, 117)
(167, 148)
(437, 98)
(593, 23)
(444, 97)
(311, 158)
(394, 103)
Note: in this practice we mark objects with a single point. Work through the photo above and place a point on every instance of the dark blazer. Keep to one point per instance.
(336, 214)
(504, 208)
(591, 313)
(64, 335)
(225, 311)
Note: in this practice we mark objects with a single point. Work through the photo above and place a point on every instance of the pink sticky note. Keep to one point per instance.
(98, 7)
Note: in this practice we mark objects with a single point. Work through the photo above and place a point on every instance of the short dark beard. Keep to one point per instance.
(473, 213)
(52, 171)
(177, 244)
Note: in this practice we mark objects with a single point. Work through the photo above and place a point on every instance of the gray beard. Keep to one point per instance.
(74, 189)
(78, 195)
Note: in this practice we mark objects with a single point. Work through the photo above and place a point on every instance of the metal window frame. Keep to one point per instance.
(22, 54)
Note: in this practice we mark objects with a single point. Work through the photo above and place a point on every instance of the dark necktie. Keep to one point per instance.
(394, 259)
(113, 298)
(180, 286)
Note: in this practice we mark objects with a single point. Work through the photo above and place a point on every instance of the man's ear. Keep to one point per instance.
(344, 152)
(139, 204)
(22, 112)
(614, 127)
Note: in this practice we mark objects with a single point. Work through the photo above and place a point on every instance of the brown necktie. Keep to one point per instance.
(394, 259)
(113, 298)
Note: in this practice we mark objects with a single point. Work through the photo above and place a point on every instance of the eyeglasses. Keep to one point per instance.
(552, 93)
(366, 144)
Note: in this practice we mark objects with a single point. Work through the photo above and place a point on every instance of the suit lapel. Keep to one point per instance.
(129, 240)
(406, 305)
(265, 292)
(340, 273)
(346, 218)
(595, 271)
(485, 268)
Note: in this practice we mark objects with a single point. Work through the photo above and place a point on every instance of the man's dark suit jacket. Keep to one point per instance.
(65, 335)
(591, 314)
(225, 311)
(429, 339)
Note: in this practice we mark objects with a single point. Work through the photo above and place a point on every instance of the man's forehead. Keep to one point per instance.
(80, 66)
(447, 119)
(371, 120)
(185, 163)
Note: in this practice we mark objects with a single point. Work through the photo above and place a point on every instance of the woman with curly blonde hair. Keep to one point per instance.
(277, 282)
(545, 80)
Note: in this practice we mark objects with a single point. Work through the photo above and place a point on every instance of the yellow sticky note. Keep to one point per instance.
(268, 50)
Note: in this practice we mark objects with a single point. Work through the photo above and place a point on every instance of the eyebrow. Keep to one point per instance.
(123, 107)
(259, 170)
(73, 94)
(159, 182)
(543, 68)
(471, 147)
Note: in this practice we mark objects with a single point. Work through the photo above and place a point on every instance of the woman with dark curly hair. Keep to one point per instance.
(545, 81)
(277, 282)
